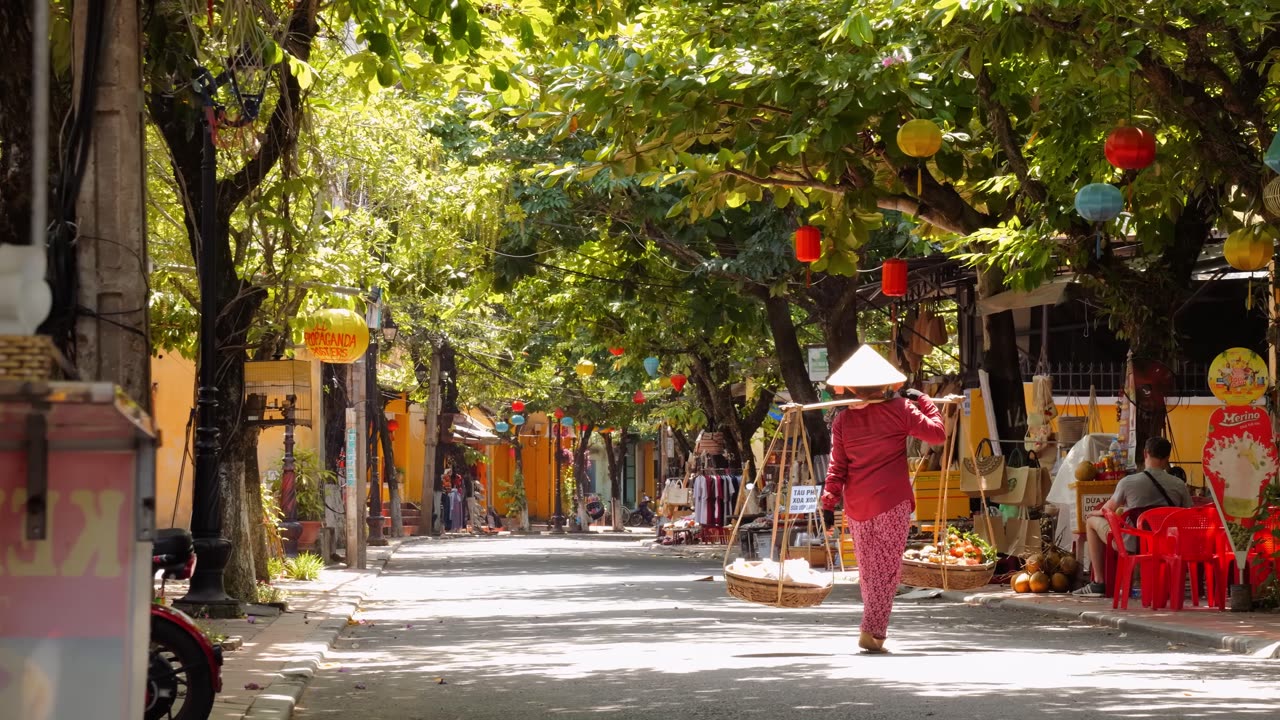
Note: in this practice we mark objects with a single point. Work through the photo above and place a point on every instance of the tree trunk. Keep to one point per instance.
(581, 478)
(241, 577)
(1004, 373)
(837, 300)
(615, 455)
(428, 375)
(794, 367)
(389, 473)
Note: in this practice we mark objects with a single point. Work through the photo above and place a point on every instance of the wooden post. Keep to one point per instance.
(111, 245)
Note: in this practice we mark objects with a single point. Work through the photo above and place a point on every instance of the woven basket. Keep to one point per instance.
(1072, 429)
(29, 358)
(765, 592)
(957, 577)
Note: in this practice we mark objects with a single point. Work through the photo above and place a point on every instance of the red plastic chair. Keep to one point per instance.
(1149, 564)
(1193, 541)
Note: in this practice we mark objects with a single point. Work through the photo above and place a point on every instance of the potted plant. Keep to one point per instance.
(309, 481)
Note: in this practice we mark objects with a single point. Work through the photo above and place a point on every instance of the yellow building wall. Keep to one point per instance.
(173, 379)
(1189, 421)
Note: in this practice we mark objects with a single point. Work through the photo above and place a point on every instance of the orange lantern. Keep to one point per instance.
(893, 277)
(336, 336)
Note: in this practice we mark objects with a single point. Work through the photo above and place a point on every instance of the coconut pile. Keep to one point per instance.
(1053, 571)
(793, 571)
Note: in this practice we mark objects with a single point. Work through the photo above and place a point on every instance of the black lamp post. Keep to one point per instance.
(290, 529)
(386, 330)
(207, 590)
(557, 522)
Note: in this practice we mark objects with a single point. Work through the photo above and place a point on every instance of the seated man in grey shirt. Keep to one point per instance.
(1155, 486)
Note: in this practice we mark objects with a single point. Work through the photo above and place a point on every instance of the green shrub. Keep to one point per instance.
(306, 566)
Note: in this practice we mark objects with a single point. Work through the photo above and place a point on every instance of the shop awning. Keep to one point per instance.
(1054, 292)
(467, 430)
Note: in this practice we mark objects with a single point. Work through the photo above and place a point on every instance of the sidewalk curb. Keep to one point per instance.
(1258, 648)
(277, 700)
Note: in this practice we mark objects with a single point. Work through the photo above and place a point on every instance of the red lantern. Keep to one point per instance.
(808, 243)
(616, 352)
(582, 428)
(638, 398)
(1131, 148)
(677, 381)
(559, 414)
(393, 425)
(517, 406)
(893, 277)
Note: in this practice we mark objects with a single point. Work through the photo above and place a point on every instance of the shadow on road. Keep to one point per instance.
(503, 629)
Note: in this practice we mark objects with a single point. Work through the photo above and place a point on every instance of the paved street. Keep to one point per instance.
(510, 628)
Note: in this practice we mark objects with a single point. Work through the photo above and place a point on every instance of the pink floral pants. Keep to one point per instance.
(879, 543)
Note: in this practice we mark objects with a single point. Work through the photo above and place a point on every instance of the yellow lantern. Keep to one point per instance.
(1250, 249)
(921, 139)
(664, 382)
(336, 336)
(585, 368)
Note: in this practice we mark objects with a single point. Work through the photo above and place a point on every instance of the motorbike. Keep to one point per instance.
(184, 669)
(643, 515)
(595, 508)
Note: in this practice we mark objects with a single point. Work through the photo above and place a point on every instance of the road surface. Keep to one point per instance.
(505, 629)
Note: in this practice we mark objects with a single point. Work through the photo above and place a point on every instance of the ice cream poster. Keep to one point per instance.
(1238, 376)
(1240, 460)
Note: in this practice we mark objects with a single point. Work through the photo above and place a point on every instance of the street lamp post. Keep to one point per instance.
(380, 327)
(290, 529)
(557, 522)
(207, 589)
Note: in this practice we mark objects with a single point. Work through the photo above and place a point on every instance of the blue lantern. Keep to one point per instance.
(1099, 202)
(1272, 156)
(567, 422)
(651, 366)
(501, 426)
(775, 414)
(517, 420)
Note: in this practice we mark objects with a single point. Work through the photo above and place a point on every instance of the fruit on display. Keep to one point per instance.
(1086, 471)
(1035, 563)
(1050, 571)
(1069, 566)
(957, 549)
(1039, 583)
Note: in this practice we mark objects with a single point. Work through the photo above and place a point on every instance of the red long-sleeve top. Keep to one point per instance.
(869, 453)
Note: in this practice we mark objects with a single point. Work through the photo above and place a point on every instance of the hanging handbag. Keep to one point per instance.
(983, 473)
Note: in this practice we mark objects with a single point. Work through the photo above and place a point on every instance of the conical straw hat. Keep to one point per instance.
(866, 369)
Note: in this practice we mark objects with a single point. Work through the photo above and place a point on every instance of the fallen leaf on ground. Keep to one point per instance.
(440, 681)
(359, 686)
(252, 686)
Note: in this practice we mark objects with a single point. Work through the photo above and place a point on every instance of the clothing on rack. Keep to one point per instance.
(457, 509)
(714, 498)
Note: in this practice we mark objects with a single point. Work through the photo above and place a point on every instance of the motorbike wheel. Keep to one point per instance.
(179, 680)
(635, 519)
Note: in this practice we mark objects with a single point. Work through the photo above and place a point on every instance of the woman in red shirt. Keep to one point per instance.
(869, 473)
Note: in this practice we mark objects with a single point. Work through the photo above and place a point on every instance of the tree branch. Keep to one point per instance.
(998, 116)
(281, 132)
